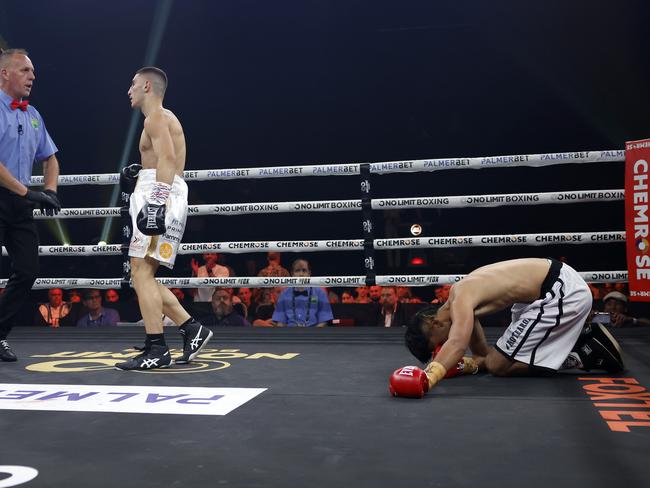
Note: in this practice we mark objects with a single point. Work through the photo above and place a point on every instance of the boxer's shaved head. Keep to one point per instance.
(157, 77)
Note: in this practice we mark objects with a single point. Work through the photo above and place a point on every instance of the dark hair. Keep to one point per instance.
(414, 337)
(87, 294)
(157, 77)
(295, 261)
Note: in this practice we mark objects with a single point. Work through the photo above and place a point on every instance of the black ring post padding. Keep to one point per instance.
(127, 230)
(371, 280)
(367, 225)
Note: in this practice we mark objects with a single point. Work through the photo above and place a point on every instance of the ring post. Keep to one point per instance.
(368, 236)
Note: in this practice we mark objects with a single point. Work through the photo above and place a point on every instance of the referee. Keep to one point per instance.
(23, 141)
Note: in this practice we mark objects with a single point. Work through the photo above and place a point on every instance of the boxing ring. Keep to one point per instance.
(368, 244)
(310, 407)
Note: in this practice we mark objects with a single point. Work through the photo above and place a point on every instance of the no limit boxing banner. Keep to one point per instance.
(637, 171)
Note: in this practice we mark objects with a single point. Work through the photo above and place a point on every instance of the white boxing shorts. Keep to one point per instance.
(162, 248)
(542, 333)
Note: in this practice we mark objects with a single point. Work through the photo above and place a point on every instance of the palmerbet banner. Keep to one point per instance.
(637, 171)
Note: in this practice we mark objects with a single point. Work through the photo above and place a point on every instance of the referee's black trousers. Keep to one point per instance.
(19, 235)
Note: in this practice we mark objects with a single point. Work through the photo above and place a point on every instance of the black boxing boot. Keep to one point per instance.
(6, 354)
(195, 337)
(153, 356)
(599, 350)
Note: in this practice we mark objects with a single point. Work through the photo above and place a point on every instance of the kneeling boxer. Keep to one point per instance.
(550, 306)
(158, 209)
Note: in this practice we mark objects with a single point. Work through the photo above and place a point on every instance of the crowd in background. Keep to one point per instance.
(287, 306)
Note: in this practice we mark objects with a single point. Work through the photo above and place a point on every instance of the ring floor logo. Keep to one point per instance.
(125, 399)
(207, 360)
(17, 475)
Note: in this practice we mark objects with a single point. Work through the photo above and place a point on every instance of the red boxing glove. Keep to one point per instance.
(409, 381)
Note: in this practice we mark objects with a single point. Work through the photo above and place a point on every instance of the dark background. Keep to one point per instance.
(258, 83)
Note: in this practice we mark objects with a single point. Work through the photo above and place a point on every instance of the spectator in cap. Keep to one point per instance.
(615, 303)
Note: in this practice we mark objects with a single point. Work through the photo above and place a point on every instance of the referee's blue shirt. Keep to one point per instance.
(297, 311)
(23, 139)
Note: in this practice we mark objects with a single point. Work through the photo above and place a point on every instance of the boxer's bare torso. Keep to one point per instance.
(500, 285)
(163, 127)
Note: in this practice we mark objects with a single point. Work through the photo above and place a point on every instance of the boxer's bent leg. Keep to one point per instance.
(143, 271)
(500, 365)
(171, 306)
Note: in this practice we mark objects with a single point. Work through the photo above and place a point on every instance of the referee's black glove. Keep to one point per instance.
(47, 200)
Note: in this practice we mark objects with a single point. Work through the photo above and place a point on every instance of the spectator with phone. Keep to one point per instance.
(615, 312)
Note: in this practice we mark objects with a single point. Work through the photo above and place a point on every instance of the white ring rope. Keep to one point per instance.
(346, 169)
(462, 201)
(243, 247)
(313, 281)
(405, 166)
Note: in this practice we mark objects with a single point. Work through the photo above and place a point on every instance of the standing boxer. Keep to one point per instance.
(158, 208)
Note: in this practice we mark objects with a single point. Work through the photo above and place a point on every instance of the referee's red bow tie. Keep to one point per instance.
(18, 104)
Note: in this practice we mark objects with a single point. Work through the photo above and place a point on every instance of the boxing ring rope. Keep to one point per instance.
(350, 169)
(460, 201)
(312, 281)
(242, 247)
(368, 244)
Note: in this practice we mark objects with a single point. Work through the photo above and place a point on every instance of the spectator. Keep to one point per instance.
(97, 315)
(273, 269)
(263, 307)
(243, 301)
(391, 313)
(363, 294)
(332, 296)
(405, 295)
(442, 294)
(74, 296)
(302, 307)
(348, 297)
(111, 296)
(223, 313)
(54, 310)
(374, 293)
(211, 269)
(245, 296)
(615, 304)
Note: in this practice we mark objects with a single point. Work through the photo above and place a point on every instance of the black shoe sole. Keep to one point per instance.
(145, 369)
